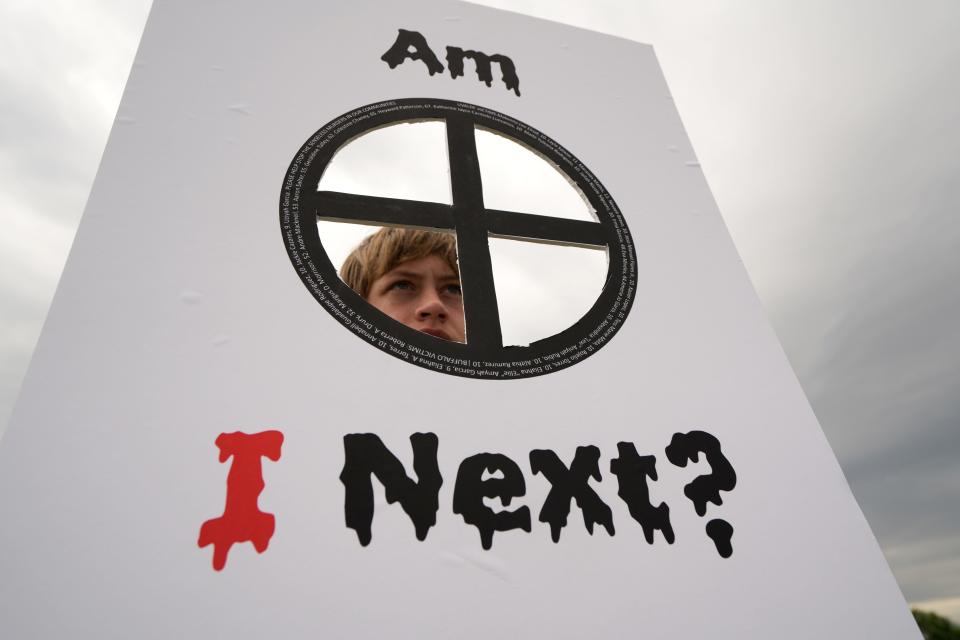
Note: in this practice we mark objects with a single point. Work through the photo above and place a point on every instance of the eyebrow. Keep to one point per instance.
(403, 274)
(414, 275)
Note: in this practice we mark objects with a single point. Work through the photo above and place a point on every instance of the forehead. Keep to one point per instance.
(432, 265)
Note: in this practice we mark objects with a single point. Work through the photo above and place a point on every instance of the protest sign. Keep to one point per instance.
(219, 436)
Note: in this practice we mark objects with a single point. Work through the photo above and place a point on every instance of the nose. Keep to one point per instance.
(430, 305)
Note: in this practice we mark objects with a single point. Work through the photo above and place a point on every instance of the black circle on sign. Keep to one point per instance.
(484, 355)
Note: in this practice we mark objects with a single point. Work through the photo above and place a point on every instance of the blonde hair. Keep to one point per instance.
(384, 250)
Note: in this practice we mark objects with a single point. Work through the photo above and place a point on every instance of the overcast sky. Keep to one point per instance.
(827, 131)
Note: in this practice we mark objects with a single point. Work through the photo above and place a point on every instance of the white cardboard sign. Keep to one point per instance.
(652, 470)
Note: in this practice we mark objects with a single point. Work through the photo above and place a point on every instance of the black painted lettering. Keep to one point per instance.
(472, 488)
(366, 455)
(706, 488)
(570, 484)
(412, 45)
(632, 471)
(456, 55)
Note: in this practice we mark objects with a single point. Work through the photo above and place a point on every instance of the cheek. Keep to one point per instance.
(397, 309)
(453, 304)
(387, 304)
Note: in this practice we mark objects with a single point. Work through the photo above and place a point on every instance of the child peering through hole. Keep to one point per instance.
(412, 276)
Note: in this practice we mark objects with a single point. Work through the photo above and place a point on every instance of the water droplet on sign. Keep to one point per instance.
(190, 297)
(241, 108)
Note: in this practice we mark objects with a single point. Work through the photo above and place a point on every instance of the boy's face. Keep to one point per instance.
(423, 294)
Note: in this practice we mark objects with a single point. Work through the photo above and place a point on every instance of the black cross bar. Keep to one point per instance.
(334, 205)
(536, 228)
(472, 223)
(480, 310)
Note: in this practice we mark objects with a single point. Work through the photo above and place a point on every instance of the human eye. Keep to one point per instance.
(452, 289)
(400, 285)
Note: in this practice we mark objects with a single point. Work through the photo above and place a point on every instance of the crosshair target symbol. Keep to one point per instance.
(483, 355)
